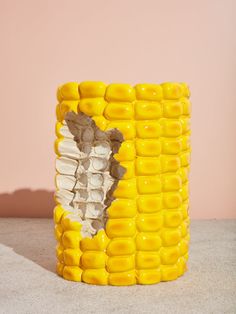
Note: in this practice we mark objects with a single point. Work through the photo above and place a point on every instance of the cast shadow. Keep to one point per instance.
(27, 203)
(31, 238)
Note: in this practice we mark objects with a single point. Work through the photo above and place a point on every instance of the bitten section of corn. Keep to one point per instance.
(146, 236)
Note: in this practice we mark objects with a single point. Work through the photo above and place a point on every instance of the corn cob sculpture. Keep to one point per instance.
(122, 182)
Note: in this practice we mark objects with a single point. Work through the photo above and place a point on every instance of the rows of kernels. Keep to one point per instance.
(158, 168)
(76, 255)
(121, 226)
(81, 258)
(175, 235)
(122, 223)
(148, 221)
(158, 142)
(68, 248)
(184, 171)
(68, 97)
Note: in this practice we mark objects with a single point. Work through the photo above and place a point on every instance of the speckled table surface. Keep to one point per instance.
(28, 283)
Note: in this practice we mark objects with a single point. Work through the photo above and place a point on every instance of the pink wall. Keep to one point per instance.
(45, 43)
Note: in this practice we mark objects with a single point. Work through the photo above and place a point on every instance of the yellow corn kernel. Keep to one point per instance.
(148, 147)
(181, 266)
(185, 141)
(120, 92)
(98, 242)
(59, 268)
(187, 238)
(148, 166)
(149, 204)
(183, 246)
(66, 106)
(92, 89)
(129, 167)
(94, 259)
(68, 91)
(68, 224)
(187, 220)
(120, 228)
(170, 237)
(149, 222)
(100, 122)
(120, 263)
(185, 123)
(183, 228)
(145, 260)
(148, 276)
(169, 272)
(149, 185)
(171, 146)
(92, 106)
(72, 257)
(169, 255)
(184, 210)
(57, 145)
(186, 91)
(57, 213)
(127, 128)
(185, 159)
(119, 111)
(72, 273)
(58, 128)
(122, 208)
(95, 276)
(147, 110)
(185, 191)
(186, 105)
(148, 241)
(121, 246)
(122, 279)
(172, 182)
(71, 239)
(172, 90)
(59, 252)
(126, 152)
(149, 91)
(58, 232)
(173, 218)
(172, 199)
(125, 189)
(172, 109)
(58, 113)
(148, 129)
(183, 173)
(170, 163)
(171, 128)
(59, 97)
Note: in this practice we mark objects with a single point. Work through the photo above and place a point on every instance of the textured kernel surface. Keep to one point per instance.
(146, 235)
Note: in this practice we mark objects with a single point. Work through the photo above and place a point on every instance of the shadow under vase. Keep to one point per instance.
(30, 238)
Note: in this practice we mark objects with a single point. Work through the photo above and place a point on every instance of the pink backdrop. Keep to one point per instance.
(46, 43)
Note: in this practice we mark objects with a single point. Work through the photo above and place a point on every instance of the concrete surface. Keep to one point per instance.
(28, 283)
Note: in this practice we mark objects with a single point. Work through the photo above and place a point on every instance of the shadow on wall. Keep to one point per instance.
(27, 203)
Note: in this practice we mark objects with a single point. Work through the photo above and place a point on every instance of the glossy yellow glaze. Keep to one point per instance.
(146, 237)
